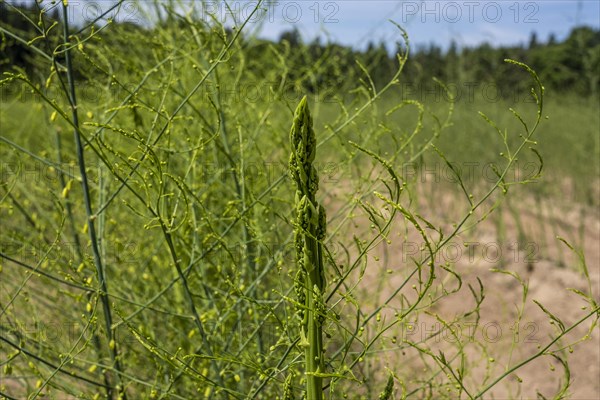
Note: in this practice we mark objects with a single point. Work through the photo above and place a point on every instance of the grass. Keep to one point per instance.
(166, 253)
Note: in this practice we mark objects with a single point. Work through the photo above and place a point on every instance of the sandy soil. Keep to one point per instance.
(519, 237)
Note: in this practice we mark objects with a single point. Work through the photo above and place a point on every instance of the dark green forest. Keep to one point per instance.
(572, 65)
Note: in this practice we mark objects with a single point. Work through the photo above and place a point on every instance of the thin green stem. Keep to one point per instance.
(540, 353)
(103, 294)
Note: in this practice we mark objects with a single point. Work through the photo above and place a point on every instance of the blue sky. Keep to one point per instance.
(353, 22)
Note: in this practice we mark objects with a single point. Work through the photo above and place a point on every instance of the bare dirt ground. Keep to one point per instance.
(520, 237)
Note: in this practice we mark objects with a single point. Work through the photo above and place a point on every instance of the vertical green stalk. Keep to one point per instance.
(77, 242)
(88, 208)
(309, 233)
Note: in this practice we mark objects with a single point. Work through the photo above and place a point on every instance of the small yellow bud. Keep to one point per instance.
(67, 189)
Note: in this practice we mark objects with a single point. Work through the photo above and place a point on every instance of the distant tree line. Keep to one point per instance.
(572, 65)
